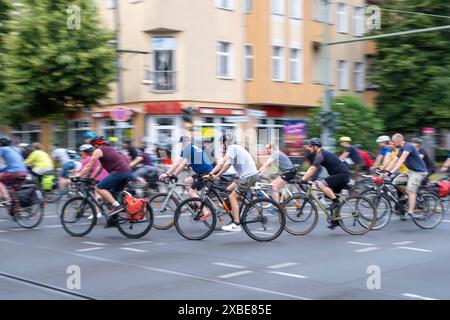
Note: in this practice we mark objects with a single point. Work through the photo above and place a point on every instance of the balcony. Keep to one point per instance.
(162, 81)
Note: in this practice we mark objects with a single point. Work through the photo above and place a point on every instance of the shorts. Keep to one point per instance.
(113, 182)
(10, 178)
(198, 183)
(145, 170)
(337, 181)
(244, 184)
(68, 166)
(412, 180)
(288, 175)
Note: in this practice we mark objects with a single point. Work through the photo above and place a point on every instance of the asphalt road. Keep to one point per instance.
(412, 264)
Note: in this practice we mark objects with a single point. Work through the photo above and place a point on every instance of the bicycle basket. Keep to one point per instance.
(135, 207)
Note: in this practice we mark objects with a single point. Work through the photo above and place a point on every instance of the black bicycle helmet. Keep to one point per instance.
(5, 141)
(99, 140)
(316, 142)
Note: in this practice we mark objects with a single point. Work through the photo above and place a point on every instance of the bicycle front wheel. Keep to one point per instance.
(78, 216)
(195, 219)
(430, 211)
(163, 210)
(263, 219)
(382, 206)
(357, 215)
(135, 228)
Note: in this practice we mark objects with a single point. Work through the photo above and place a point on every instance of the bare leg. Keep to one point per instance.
(326, 190)
(4, 191)
(411, 202)
(106, 195)
(235, 206)
(277, 185)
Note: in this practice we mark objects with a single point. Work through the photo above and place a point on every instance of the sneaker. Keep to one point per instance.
(232, 228)
(417, 216)
(333, 225)
(115, 210)
(403, 216)
(99, 215)
(112, 222)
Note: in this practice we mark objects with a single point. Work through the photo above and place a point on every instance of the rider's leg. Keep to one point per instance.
(106, 195)
(277, 186)
(4, 191)
(234, 197)
(323, 186)
(231, 187)
(414, 182)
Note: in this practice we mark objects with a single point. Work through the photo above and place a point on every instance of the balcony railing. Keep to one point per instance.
(162, 81)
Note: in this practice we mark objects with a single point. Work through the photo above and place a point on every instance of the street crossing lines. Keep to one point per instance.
(415, 249)
(235, 274)
(402, 243)
(367, 249)
(288, 274)
(133, 250)
(228, 265)
(361, 243)
(89, 249)
(94, 243)
(136, 243)
(282, 265)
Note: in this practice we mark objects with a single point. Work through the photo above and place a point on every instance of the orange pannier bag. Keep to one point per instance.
(135, 207)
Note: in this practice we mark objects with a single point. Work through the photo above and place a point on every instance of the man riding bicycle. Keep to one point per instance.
(351, 154)
(384, 153)
(338, 177)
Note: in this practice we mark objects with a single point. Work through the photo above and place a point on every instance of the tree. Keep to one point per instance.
(412, 72)
(50, 68)
(355, 120)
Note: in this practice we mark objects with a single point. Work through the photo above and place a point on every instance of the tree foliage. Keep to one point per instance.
(50, 68)
(413, 72)
(356, 120)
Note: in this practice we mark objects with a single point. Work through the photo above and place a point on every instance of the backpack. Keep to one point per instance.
(443, 188)
(368, 160)
(27, 196)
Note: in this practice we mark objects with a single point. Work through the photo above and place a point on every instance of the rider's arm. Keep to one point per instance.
(180, 167)
(136, 161)
(31, 159)
(266, 165)
(175, 166)
(344, 155)
(224, 169)
(95, 156)
(219, 165)
(399, 162)
(309, 173)
(97, 170)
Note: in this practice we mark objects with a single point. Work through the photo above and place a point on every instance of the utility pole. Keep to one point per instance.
(118, 60)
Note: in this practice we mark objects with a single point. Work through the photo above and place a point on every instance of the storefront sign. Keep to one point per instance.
(163, 108)
(121, 114)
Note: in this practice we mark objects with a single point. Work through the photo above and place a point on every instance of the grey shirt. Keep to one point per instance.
(282, 161)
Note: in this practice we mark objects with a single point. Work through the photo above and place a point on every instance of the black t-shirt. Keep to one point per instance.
(132, 152)
(427, 160)
(354, 154)
(331, 162)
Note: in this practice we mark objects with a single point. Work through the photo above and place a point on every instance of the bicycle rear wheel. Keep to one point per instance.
(135, 229)
(195, 219)
(30, 217)
(356, 215)
(382, 206)
(301, 215)
(263, 219)
(431, 211)
(78, 216)
(163, 210)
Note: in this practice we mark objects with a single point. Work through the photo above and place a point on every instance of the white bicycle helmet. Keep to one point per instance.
(383, 139)
(86, 147)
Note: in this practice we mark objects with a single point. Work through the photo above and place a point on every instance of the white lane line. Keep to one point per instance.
(3, 231)
(133, 249)
(3, 220)
(282, 265)
(94, 243)
(53, 226)
(234, 274)
(224, 234)
(51, 216)
(136, 243)
(270, 234)
(367, 249)
(402, 243)
(89, 249)
(410, 295)
(18, 229)
(228, 265)
(442, 220)
(288, 274)
(163, 216)
(361, 243)
(415, 249)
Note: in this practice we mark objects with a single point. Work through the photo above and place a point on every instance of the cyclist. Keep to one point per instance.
(431, 168)
(367, 160)
(281, 160)
(197, 158)
(384, 153)
(118, 173)
(351, 154)
(39, 160)
(415, 174)
(14, 168)
(338, 177)
(86, 151)
(245, 167)
(140, 161)
(62, 156)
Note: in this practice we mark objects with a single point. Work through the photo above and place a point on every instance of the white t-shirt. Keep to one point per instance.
(242, 161)
(62, 155)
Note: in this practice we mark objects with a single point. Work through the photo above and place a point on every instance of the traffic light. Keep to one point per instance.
(188, 114)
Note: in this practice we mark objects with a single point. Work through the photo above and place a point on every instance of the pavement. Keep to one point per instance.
(400, 262)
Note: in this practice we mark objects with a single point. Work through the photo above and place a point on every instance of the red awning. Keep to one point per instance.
(275, 111)
(163, 108)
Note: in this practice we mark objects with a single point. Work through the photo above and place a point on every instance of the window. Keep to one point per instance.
(248, 62)
(318, 11)
(295, 8)
(278, 7)
(342, 21)
(224, 59)
(359, 77)
(296, 66)
(342, 75)
(112, 129)
(28, 133)
(164, 64)
(277, 63)
(248, 6)
(75, 132)
(224, 4)
(358, 22)
(110, 4)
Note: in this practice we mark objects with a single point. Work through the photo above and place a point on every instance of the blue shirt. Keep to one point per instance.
(197, 158)
(413, 161)
(384, 151)
(13, 160)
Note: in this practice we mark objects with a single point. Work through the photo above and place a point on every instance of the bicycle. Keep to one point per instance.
(428, 204)
(201, 213)
(26, 204)
(79, 214)
(356, 215)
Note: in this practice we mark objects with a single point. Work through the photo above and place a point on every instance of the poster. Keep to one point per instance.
(294, 133)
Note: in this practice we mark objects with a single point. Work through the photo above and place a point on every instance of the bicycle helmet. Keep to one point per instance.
(89, 135)
(316, 142)
(86, 147)
(383, 139)
(226, 137)
(98, 140)
(5, 141)
(345, 139)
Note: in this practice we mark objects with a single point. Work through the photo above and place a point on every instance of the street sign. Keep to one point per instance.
(121, 113)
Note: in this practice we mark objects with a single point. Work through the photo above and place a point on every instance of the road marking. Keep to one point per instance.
(402, 243)
(283, 265)
(94, 243)
(89, 249)
(53, 226)
(136, 243)
(270, 234)
(52, 216)
(160, 243)
(442, 220)
(415, 249)
(3, 220)
(288, 274)
(224, 234)
(410, 295)
(235, 274)
(228, 265)
(133, 249)
(163, 216)
(3, 231)
(17, 229)
(367, 249)
(361, 243)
